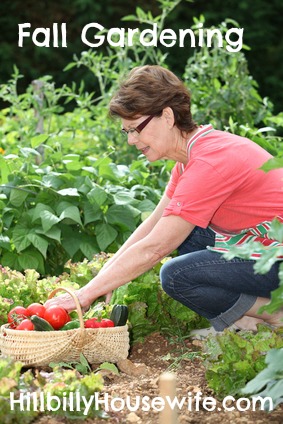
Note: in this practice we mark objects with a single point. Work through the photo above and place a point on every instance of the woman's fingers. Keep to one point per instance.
(65, 301)
(108, 297)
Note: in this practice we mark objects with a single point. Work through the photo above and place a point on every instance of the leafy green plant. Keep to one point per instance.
(81, 366)
(11, 382)
(52, 214)
(233, 359)
(61, 198)
(59, 388)
(151, 309)
(222, 87)
(269, 382)
(62, 385)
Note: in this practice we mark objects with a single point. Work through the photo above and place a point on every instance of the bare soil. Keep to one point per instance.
(140, 374)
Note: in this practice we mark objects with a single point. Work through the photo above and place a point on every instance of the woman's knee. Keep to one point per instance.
(166, 276)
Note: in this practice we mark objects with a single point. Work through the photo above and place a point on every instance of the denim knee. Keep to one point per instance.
(166, 278)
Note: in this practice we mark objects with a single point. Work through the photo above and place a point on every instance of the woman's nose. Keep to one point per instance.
(132, 139)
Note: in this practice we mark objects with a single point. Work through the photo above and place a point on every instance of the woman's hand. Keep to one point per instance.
(67, 302)
(108, 297)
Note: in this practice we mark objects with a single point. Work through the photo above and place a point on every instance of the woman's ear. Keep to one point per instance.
(168, 115)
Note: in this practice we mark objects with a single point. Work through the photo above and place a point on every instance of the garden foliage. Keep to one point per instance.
(269, 382)
(70, 187)
(150, 308)
(233, 359)
(57, 388)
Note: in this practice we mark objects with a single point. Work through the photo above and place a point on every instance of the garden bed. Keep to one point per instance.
(141, 377)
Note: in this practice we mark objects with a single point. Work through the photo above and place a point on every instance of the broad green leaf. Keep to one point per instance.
(276, 230)
(108, 172)
(10, 259)
(4, 169)
(52, 181)
(18, 197)
(122, 216)
(84, 361)
(89, 249)
(274, 360)
(61, 206)
(92, 213)
(39, 243)
(48, 219)
(37, 211)
(73, 213)
(97, 196)
(69, 192)
(72, 165)
(28, 261)
(38, 139)
(72, 156)
(273, 163)
(4, 242)
(20, 239)
(89, 169)
(109, 366)
(27, 151)
(71, 240)
(124, 198)
(135, 212)
(146, 206)
(54, 233)
(105, 235)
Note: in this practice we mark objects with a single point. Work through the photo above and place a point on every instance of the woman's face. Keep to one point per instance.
(153, 141)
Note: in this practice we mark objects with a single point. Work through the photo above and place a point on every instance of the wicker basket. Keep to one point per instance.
(39, 348)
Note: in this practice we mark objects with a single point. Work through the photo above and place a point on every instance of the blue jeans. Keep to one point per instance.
(220, 290)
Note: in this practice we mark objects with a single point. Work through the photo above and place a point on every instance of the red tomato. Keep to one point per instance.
(36, 309)
(56, 316)
(17, 314)
(25, 325)
(92, 323)
(105, 322)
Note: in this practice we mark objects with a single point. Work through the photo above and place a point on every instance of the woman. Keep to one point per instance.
(216, 192)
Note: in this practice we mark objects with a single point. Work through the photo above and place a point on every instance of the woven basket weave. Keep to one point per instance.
(39, 348)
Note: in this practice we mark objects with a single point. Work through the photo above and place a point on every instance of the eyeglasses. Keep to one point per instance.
(136, 131)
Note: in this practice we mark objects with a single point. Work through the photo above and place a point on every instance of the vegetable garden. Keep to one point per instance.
(71, 193)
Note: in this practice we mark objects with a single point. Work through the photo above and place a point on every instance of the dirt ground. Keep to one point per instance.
(140, 376)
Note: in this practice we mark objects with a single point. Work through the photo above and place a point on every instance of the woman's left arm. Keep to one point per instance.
(166, 236)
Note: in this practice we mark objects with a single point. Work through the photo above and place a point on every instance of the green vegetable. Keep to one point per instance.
(71, 325)
(233, 359)
(119, 315)
(40, 324)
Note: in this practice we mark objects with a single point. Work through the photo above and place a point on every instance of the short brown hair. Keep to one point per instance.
(147, 91)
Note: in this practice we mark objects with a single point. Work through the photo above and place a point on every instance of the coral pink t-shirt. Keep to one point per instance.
(222, 185)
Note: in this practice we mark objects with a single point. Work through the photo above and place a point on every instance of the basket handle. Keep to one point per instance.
(76, 300)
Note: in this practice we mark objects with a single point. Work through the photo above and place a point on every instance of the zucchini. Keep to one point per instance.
(119, 315)
(41, 324)
(71, 325)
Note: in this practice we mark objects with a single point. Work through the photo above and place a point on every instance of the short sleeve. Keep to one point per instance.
(199, 192)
